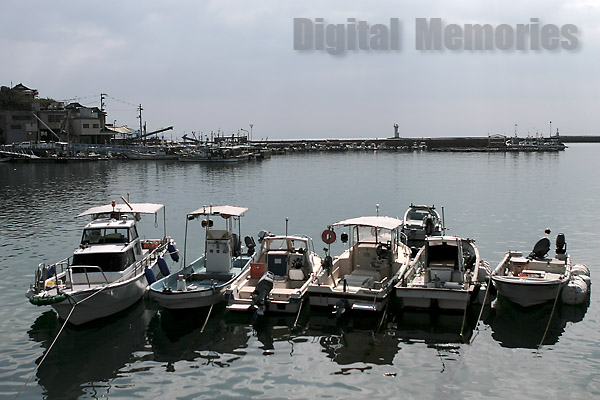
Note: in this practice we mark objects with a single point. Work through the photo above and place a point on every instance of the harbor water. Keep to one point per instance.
(503, 200)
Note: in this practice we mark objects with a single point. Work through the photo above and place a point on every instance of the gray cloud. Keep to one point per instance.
(201, 66)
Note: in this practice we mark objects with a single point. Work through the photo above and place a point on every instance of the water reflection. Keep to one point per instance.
(518, 327)
(178, 335)
(434, 328)
(86, 359)
(354, 338)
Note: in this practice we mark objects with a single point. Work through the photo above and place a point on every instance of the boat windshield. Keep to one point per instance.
(108, 262)
(368, 234)
(417, 215)
(286, 244)
(106, 235)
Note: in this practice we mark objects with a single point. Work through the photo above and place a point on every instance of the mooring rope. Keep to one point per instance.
(549, 320)
(56, 338)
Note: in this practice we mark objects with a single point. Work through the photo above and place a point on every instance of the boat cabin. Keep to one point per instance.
(371, 258)
(446, 259)
(285, 257)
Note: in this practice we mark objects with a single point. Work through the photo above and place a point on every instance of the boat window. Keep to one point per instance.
(108, 262)
(367, 234)
(417, 215)
(105, 235)
(278, 244)
(133, 233)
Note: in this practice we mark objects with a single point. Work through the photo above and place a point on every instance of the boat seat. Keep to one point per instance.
(367, 272)
(358, 281)
(296, 274)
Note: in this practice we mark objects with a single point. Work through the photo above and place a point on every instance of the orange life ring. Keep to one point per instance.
(328, 236)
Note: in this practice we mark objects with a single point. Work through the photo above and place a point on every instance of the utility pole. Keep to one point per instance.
(103, 120)
(140, 117)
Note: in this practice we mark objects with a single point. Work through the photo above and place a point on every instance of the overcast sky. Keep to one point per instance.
(208, 65)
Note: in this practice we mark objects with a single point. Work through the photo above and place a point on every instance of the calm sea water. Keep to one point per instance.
(503, 200)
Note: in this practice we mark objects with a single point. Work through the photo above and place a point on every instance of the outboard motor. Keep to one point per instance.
(428, 224)
(561, 244)
(262, 290)
(250, 245)
(263, 234)
(540, 249)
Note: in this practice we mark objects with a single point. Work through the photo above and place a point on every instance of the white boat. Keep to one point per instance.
(363, 276)
(203, 282)
(279, 276)
(447, 272)
(421, 221)
(534, 279)
(109, 271)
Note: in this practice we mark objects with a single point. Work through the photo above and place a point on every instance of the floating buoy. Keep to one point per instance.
(150, 277)
(575, 292)
(328, 236)
(173, 252)
(163, 267)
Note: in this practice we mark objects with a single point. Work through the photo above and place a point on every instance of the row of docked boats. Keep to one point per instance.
(384, 258)
(204, 153)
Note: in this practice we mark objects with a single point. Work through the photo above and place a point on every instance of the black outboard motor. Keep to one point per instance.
(262, 290)
(263, 234)
(428, 224)
(561, 244)
(541, 248)
(250, 245)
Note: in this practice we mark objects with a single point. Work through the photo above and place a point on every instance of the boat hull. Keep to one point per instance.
(190, 298)
(325, 296)
(528, 292)
(424, 298)
(202, 289)
(105, 301)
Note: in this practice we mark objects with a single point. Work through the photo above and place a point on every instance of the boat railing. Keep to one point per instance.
(87, 277)
(148, 260)
(45, 272)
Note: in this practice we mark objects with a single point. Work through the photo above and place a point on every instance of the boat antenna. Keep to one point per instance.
(377, 209)
(286, 225)
(126, 202)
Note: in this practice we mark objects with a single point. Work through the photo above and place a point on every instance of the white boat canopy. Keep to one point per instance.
(131, 208)
(377, 222)
(224, 211)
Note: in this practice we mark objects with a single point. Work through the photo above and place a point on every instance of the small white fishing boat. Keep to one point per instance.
(534, 279)
(421, 221)
(363, 276)
(110, 270)
(203, 282)
(279, 276)
(447, 272)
